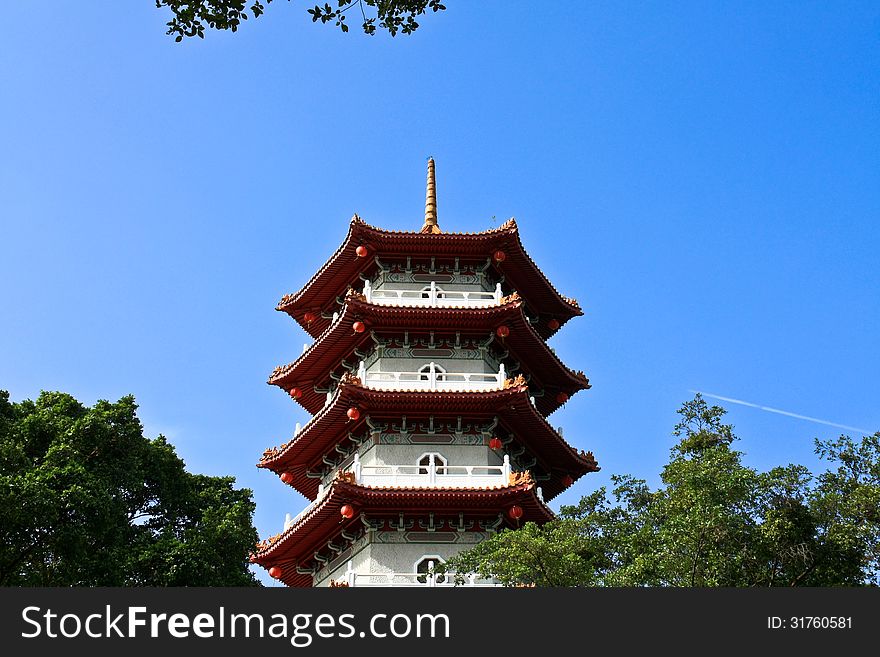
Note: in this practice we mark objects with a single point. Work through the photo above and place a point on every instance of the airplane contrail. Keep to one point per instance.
(781, 412)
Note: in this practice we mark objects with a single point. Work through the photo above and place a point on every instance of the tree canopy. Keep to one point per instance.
(87, 500)
(191, 17)
(713, 522)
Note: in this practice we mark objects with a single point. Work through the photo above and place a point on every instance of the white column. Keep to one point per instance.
(431, 573)
(433, 376)
(433, 294)
(357, 467)
(349, 574)
(506, 468)
(502, 374)
(498, 293)
(432, 474)
(368, 291)
(362, 373)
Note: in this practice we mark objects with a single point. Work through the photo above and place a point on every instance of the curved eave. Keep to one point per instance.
(344, 267)
(553, 452)
(339, 341)
(296, 545)
(512, 406)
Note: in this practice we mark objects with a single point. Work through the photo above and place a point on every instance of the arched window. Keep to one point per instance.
(440, 463)
(424, 565)
(425, 372)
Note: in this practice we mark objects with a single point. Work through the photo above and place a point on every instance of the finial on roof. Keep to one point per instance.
(431, 225)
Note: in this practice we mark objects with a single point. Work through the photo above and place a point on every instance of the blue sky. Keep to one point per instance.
(703, 178)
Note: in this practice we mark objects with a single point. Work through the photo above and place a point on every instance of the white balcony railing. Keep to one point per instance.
(432, 297)
(416, 580)
(428, 475)
(433, 377)
(411, 580)
(432, 474)
(288, 521)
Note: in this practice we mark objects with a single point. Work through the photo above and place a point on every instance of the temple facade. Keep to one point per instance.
(429, 381)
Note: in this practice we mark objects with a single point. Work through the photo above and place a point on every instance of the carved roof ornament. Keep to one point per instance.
(589, 458)
(510, 298)
(338, 584)
(431, 225)
(351, 293)
(523, 478)
(265, 544)
(345, 477)
(519, 380)
(351, 379)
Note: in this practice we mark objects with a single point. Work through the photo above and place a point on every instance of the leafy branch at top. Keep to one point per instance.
(191, 17)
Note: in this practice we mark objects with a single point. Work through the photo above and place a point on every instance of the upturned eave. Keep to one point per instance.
(344, 268)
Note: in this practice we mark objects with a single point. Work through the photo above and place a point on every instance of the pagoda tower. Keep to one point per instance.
(429, 382)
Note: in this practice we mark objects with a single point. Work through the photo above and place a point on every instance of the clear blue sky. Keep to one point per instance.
(704, 178)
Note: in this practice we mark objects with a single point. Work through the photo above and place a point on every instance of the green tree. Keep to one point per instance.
(87, 500)
(713, 522)
(191, 17)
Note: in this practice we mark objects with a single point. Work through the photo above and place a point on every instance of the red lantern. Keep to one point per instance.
(500, 256)
(310, 317)
(359, 327)
(361, 251)
(296, 393)
(495, 443)
(553, 324)
(515, 512)
(353, 414)
(502, 331)
(286, 477)
(347, 511)
(275, 572)
(567, 481)
(562, 397)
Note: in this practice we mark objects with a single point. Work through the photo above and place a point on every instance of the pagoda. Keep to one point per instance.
(429, 382)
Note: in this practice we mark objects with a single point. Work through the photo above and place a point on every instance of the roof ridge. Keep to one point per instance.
(509, 225)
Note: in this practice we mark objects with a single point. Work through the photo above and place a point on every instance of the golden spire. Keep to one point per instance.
(431, 225)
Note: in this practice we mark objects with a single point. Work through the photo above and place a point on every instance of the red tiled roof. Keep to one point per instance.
(331, 426)
(344, 266)
(339, 342)
(296, 545)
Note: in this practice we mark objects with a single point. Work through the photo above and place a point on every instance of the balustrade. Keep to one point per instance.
(433, 377)
(432, 474)
(429, 579)
(432, 297)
